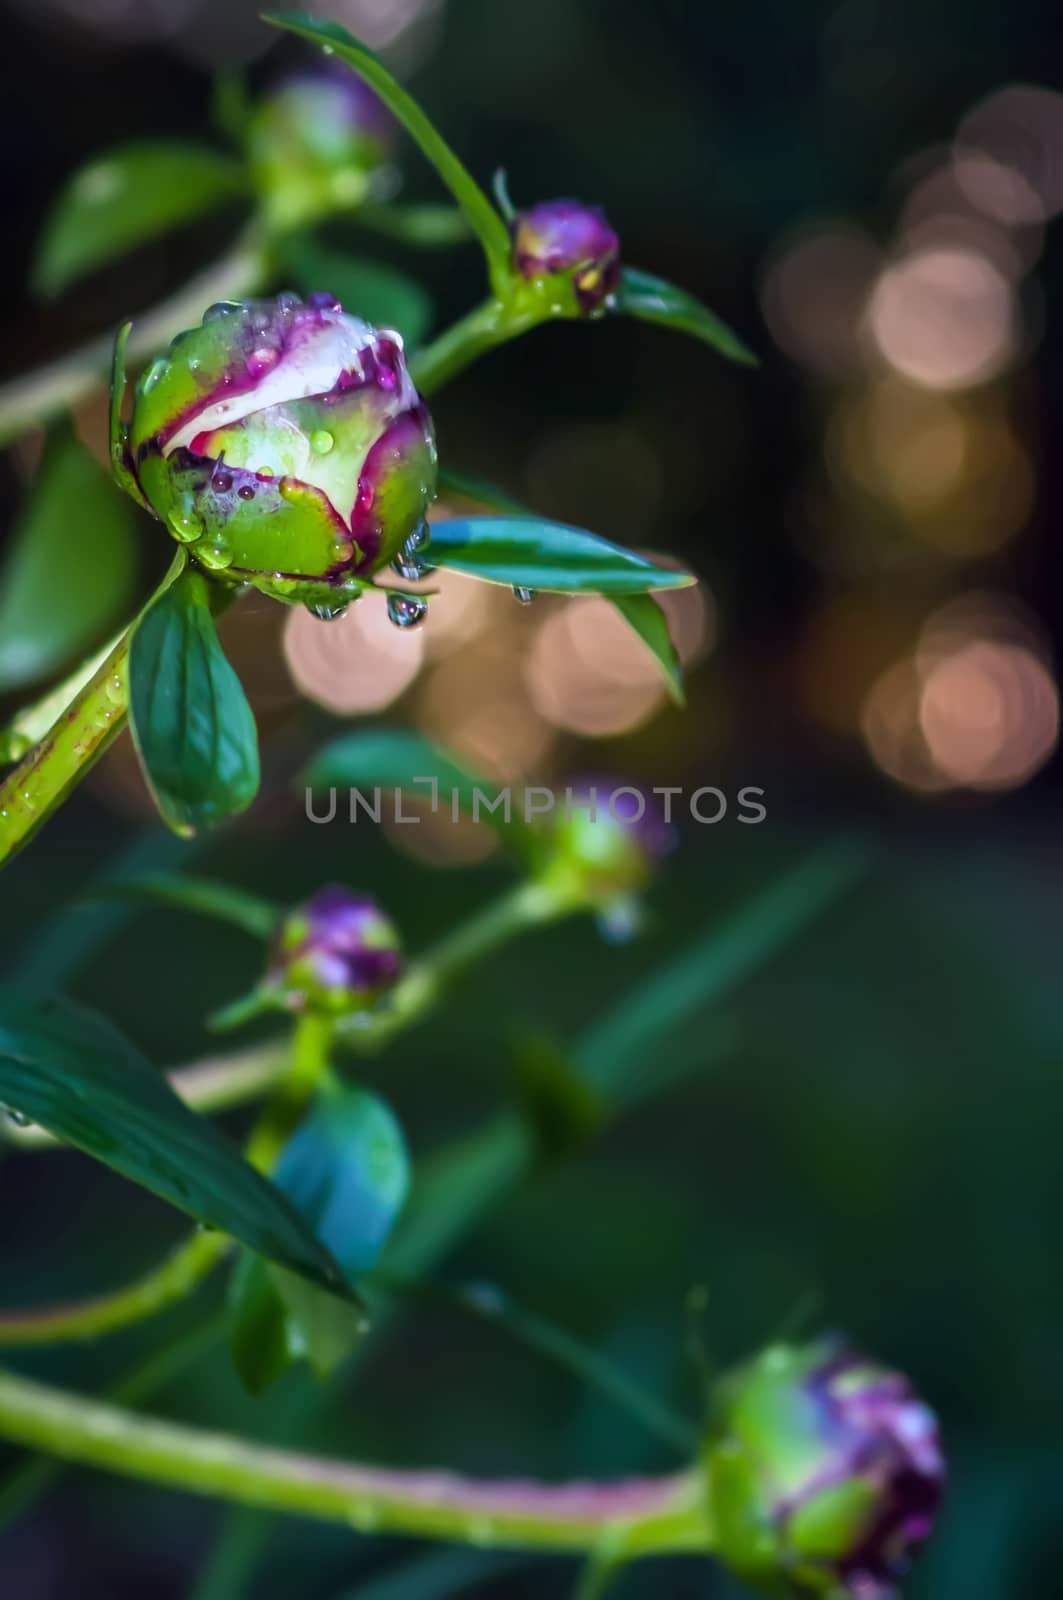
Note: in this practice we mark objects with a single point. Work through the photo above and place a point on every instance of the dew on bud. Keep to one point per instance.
(221, 308)
(407, 610)
(246, 492)
(186, 526)
(262, 360)
(216, 557)
(523, 596)
(327, 613)
(321, 442)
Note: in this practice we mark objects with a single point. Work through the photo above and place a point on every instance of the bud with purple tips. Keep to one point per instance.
(320, 141)
(563, 238)
(336, 954)
(825, 1472)
(285, 444)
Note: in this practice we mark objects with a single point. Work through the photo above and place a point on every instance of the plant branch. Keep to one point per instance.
(656, 1514)
(480, 330)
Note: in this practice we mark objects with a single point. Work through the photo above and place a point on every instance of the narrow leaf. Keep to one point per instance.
(642, 613)
(72, 1072)
(654, 300)
(203, 896)
(527, 553)
(381, 295)
(482, 216)
(126, 197)
(193, 728)
(71, 571)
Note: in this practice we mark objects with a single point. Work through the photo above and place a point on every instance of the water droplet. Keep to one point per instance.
(153, 374)
(262, 360)
(221, 308)
(221, 482)
(186, 526)
(215, 557)
(523, 596)
(322, 300)
(246, 492)
(407, 610)
(115, 689)
(327, 613)
(18, 1118)
(321, 442)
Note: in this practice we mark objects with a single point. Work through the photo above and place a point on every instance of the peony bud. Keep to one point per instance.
(605, 843)
(563, 237)
(319, 141)
(825, 1472)
(337, 953)
(285, 444)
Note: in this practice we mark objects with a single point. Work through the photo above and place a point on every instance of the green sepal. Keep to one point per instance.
(192, 726)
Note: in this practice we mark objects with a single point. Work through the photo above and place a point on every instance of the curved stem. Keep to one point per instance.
(179, 1274)
(46, 393)
(656, 1514)
(459, 345)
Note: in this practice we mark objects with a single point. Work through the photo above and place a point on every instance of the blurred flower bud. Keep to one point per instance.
(319, 141)
(605, 843)
(285, 444)
(563, 237)
(337, 953)
(825, 1472)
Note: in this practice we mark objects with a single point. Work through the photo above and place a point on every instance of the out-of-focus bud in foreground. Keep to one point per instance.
(567, 241)
(319, 141)
(284, 443)
(825, 1472)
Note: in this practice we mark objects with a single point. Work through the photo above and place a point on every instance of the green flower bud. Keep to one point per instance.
(604, 845)
(285, 444)
(319, 141)
(825, 1473)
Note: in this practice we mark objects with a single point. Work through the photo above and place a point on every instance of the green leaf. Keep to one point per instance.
(639, 611)
(654, 300)
(394, 758)
(202, 896)
(527, 553)
(347, 1172)
(642, 613)
(74, 1073)
(481, 214)
(71, 571)
(192, 726)
(382, 295)
(124, 198)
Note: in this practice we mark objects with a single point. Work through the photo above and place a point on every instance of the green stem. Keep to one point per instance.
(655, 1514)
(459, 345)
(181, 1272)
(50, 391)
(529, 905)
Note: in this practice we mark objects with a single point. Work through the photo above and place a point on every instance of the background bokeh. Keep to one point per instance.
(867, 191)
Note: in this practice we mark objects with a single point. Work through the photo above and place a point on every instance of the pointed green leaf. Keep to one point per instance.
(193, 728)
(202, 896)
(482, 216)
(527, 553)
(381, 295)
(642, 613)
(74, 1073)
(71, 571)
(654, 300)
(126, 197)
(639, 611)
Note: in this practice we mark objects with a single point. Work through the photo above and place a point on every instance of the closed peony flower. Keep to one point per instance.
(825, 1472)
(285, 444)
(568, 239)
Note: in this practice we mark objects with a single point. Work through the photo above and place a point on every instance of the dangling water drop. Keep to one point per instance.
(327, 613)
(216, 557)
(407, 610)
(186, 525)
(524, 597)
(18, 1119)
(321, 442)
(409, 564)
